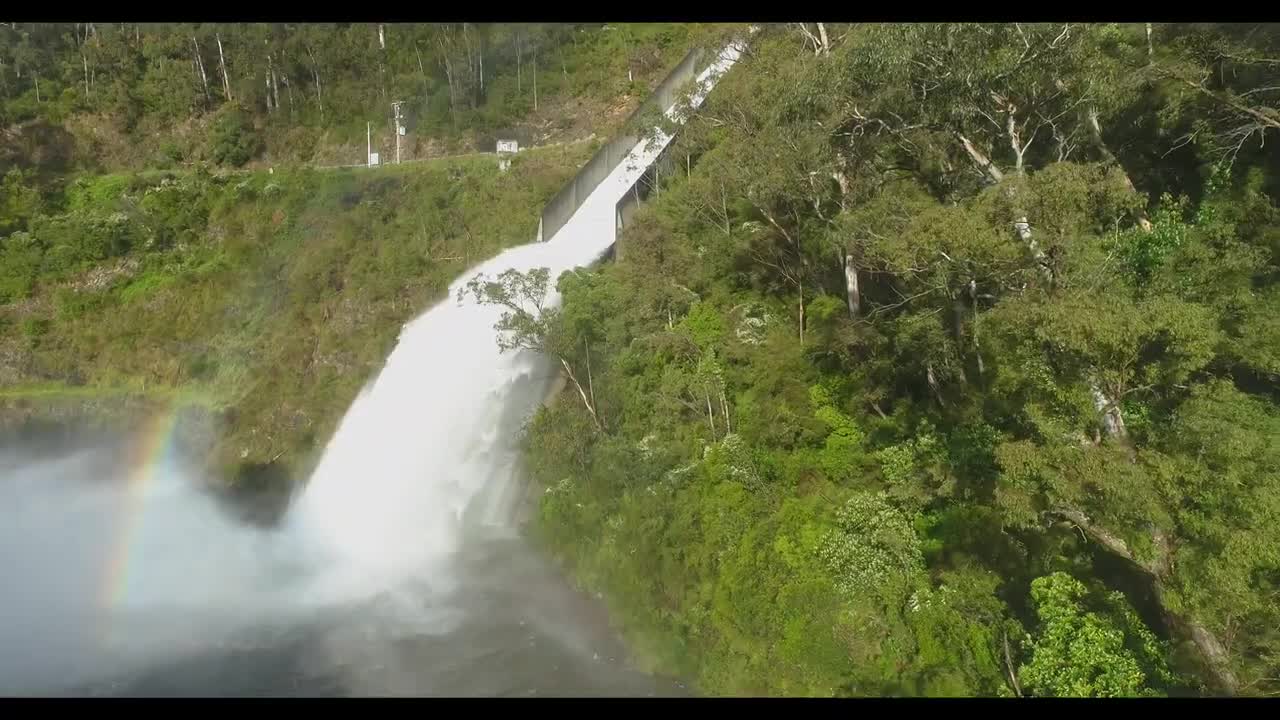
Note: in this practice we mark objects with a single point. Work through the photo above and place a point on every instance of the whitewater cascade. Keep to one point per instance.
(426, 453)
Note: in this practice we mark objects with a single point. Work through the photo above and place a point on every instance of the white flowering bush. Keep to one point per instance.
(872, 545)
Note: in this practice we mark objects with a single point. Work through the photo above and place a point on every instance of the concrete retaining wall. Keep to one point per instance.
(561, 207)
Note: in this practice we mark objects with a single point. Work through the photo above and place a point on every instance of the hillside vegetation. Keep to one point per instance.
(110, 96)
(949, 367)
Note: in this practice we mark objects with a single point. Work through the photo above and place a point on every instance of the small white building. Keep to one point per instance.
(505, 149)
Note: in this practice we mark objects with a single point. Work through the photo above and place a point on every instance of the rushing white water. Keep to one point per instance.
(399, 478)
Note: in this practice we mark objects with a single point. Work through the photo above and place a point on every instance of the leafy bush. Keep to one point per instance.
(873, 549)
(1079, 652)
(20, 257)
(19, 202)
(233, 139)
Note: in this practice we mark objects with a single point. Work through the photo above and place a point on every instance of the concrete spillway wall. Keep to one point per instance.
(561, 207)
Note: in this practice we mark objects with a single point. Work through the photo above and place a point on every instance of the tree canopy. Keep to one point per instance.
(946, 367)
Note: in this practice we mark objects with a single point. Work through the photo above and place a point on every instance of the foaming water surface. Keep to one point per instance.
(398, 570)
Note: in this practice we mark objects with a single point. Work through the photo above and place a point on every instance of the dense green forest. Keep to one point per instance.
(947, 363)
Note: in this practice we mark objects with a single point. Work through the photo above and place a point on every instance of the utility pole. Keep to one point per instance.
(395, 106)
(368, 154)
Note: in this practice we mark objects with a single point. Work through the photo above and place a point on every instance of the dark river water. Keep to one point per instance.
(508, 624)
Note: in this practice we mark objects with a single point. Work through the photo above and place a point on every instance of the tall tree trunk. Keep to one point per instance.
(1151, 49)
(977, 347)
(471, 64)
(1008, 666)
(1015, 140)
(222, 63)
(932, 379)
(1112, 418)
(519, 66)
(288, 88)
(273, 91)
(811, 38)
(449, 76)
(591, 386)
(422, 70)
(36, 77)
(582, 394)
(822, 35)
(204, 79)
(535, 80)
(711, 418)
(275, 86)
(382, 41)
(724, 210)
(981, 160)
(1095, 133)
(801, 285)
(1023, 228)
(852, 295)
(315, 72)
(957, 320)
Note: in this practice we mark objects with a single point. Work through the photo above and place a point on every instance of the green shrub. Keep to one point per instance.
(233, 139)
(19, 202)
(35, 327)
(20, 256)
(101, 194)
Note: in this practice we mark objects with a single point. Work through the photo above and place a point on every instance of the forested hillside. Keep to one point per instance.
(946, 364)
(115, 96)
